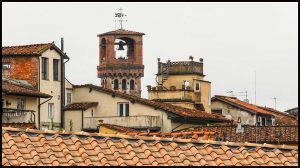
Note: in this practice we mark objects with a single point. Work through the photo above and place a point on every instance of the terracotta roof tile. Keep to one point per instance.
(15, 89)
(30, 50)
(80, 105)
(241, 104)
(139, 151)
(180, 111)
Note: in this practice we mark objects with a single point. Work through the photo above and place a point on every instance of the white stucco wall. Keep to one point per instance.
(50, 87)
(108, 106)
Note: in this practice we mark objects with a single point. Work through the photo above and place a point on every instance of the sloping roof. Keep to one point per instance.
(20, 125)
(51, 148)
(241, 104)
(14, 89)
(292, 111)
(80, 105)
(180, 111)
(117, 128)
(122, 32)
(31, 50)
(282, 118)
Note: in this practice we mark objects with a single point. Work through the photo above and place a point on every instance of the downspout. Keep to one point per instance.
(39, 100)
(81, 119)
(62, 90)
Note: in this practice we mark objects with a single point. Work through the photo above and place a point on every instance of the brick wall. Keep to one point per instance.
(23, 68)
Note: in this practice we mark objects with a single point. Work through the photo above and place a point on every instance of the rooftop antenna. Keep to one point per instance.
(120, 16)
(275, 101)
(245, 93)
(231, 92)
(254, 87)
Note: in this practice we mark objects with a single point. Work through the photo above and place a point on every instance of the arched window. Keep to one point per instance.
(131, 84)
(103, 49)
(124, 84)
(116, 84)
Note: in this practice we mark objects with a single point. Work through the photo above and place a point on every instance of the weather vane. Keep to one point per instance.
(120, 16)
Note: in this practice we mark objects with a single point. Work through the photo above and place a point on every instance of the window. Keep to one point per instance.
(55, 69)
(116, 84)
(69, 98)
(216, 111)
(123, 109)
(131, 84)
(50, 110)
(186, 84)
(263, 121)
(44, 68)
(21, 103)
(124, 84)
(6, 66)
(258, 123)
(197, 86)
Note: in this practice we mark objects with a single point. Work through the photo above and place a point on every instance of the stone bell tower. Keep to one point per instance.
(121, 60)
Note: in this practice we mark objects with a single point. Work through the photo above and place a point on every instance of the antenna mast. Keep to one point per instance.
(275, 101)
(254, 87)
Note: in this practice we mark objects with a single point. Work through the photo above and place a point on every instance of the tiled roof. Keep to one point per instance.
(121, 32)
(281, 118)
(51, 148)
(117, 128)
(80, 105)
(20, 125)
(31, 50)
(241, 104)
(180, 111)
(15, 89)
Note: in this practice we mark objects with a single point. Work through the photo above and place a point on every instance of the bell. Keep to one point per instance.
(121, 44)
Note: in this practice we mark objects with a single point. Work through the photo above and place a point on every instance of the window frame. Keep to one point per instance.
(116, 84)
(5, 68)
(195, 88)
(132, 84)
(124, 84)
(50, 114)
(125, 109)
(23, 103)
(55, 70)
(45, 68)
(69, 98)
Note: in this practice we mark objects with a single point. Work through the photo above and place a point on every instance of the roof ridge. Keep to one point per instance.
(138, 137)
(28, 45)
(160, 105)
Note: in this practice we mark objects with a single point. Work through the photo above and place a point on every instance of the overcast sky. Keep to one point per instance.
(234, 39)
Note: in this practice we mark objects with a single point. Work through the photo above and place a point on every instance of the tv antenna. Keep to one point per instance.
(245, 93)
(120, 15)
(275, 101)
(231, 92)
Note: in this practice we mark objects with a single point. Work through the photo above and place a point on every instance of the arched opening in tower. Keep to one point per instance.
(103, 49)
(124, 48)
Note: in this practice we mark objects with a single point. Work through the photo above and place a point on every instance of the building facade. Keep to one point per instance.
(121, 61)
(241, 111)
(42, 66)
(92, 104)
(182, 83)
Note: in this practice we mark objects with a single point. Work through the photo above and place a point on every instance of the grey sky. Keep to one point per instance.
(234, 39)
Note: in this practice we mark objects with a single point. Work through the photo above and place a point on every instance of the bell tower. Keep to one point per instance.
(121, 60)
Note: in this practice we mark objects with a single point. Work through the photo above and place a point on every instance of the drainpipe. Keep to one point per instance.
(62, 101)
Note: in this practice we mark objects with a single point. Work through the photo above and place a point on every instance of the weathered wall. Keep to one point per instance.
(52, 88)
(23, 68)
(75, 116)
(30, 104)
(231, 112)
(108, 106)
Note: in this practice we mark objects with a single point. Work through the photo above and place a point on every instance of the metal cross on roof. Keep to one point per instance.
(120, 16)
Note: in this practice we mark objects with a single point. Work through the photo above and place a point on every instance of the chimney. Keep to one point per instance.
(99, 126)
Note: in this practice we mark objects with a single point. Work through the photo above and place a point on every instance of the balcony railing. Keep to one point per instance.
(138, 122)
(10, 115)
